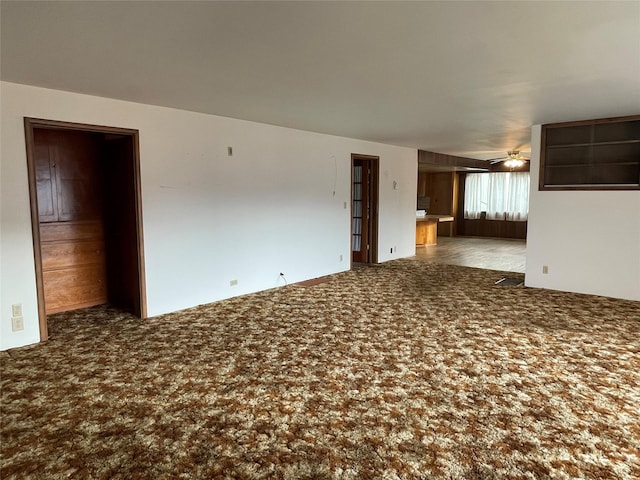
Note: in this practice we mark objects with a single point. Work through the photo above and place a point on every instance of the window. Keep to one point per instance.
(502, 195)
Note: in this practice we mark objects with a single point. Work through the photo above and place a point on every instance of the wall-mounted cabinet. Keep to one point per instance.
(591, 155)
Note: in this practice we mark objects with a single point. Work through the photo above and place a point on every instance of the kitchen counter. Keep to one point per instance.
(431, 218)
(427, 229)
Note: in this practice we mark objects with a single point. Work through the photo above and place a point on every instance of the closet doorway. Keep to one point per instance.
(86, 216)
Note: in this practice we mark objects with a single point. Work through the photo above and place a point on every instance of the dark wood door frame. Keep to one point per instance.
(30, 125)
(373, 167)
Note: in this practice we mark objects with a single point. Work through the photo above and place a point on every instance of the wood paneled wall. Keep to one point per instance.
(442, 190)
(493, 228)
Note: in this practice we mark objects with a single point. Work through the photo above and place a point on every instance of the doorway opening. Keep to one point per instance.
(364, 208)
(86, 217)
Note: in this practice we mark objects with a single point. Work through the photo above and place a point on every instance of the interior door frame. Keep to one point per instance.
(372, 225)
(30, 124)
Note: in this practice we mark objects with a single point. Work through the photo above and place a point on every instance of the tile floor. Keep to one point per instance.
(491, 253)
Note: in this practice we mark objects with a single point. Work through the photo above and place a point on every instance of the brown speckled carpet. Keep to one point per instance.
(407, 370)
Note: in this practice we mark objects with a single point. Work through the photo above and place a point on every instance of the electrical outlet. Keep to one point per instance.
(233, 283)
(345, 205)
(340, 257)
(230, 151)
(16, 310)
(17, 324)
(545, 269)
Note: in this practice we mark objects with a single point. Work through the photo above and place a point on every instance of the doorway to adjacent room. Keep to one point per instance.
(86, 215)
(364, 208)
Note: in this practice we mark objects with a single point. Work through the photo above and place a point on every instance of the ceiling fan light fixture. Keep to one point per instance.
(513, 162)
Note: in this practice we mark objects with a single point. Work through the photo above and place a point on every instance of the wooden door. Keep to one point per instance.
(46, 182)
(68, 184)
(76, 159)
(364, 209)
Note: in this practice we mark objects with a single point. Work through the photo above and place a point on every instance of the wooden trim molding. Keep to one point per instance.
(140, 237)
(139, 231)
(29, 125)
(85, 127)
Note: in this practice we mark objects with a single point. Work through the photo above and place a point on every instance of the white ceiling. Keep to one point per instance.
(462, 78)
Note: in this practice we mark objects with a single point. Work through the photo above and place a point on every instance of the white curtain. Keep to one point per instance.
(517, 198)
(498, 191)
(503, 195)
(476, 189)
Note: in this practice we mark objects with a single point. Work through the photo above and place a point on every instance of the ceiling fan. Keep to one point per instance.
(513, 159)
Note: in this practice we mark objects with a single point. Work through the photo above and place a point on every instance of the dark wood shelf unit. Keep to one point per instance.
(572, 165)
(569, 145)
(601, 154)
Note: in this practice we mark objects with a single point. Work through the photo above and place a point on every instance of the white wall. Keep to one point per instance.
(590, 240)
(209, 218)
